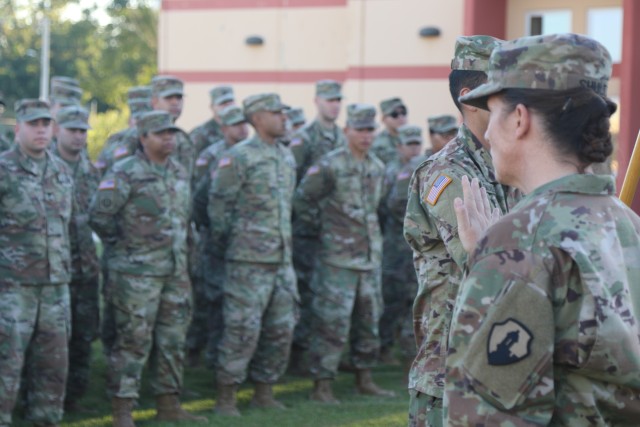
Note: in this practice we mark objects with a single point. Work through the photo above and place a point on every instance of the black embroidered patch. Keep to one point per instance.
(509, 342)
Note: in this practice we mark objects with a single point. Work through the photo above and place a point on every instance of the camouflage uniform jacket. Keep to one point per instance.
(185, 152)
(431, 231)
(206, 135)
(35, 211)
(384, 146)
(123, 146)
(347, 193)
(5, 144)
(205, 167)
(84, 259)
(250, 203)
(545, 330)
(142, 210)
(313, 141)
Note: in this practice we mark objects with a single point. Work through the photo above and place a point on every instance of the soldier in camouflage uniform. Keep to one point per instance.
(345, 186)
(296, 118)
(399, 283)
(394, 115)
(64, 94)
(442, 129)
(209, 308)
(142, 209)
(210, 131)
(250, 227)
(545, 329)
(71, 142)
(430, 228)
(5, 143)
(36, 207)
(307, 145)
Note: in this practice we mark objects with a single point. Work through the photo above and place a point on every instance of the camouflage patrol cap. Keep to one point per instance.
(137, 93)
(329, 89)
(410, 133)
(232, 115)
(361, 116)
(165, 86)
(31, 109)
(221, 94)
(442, 124)
(296, 116)
(388, 105)
(154, 122)
(472, 52)
(73, 117)
(139, 106)
(263, 102)
(65, 94)
(64, 80)
(552, 62)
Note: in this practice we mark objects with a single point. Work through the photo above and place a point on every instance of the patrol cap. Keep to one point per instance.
(165, 86)
(442, 124)
(388, 105)
(551, 62)
(68, 81)
(31, 109)
(73, 117)
(263, 102)
(139, 106)
(410, 133)
(65, 94)
(472, 52)
(137, 93)
(154, 122)
(361, 116)
(296, 116)
(329, 89)
(221, 94)
(232, 115)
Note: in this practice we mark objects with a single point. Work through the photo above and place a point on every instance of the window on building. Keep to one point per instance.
(605, 25)
(548, 22)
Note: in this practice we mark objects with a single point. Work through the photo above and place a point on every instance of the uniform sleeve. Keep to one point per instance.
(316, 185)
(107, 202)
(500, 363)
(226, 184)
(201, 201)
(299, 147)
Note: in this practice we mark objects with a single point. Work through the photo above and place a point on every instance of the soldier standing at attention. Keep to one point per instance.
(394, 115)
(310, 143)
(210, 131)
(36, 207)
(142, 209)
(545, 329)
(442, 129)
(345, 186)
(71, 142)
(431, 229)
(250, 225)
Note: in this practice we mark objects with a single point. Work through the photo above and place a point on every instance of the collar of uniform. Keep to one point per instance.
(603, 185)
(29, 165)
(155, 167)
(330, 134)
(477, 152)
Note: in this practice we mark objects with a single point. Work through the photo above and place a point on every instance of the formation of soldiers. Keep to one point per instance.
(258, 252)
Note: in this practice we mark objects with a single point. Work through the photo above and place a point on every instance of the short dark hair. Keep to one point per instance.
(576, 119)
(459, 79)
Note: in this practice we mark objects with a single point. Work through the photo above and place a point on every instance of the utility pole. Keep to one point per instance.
(44, 51)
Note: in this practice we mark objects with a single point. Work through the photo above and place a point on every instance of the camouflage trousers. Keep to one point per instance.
(84, 329)
(346, 304)
(197, 334)
(260, 313)
(108, 325)
(425, 410)
(34, 331)
(305, 251)
(151, 315)
(214, 272)
(397, 317)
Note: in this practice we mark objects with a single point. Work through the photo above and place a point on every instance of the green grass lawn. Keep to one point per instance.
(355, 410)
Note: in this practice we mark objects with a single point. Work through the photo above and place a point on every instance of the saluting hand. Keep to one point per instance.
(474, 214)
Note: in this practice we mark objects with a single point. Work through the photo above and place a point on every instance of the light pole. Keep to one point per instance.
(44, 52)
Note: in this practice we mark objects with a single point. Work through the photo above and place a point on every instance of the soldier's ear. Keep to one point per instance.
(522, 117)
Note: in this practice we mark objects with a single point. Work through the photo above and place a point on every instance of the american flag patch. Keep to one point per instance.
(295, 142)
(224, 162)
(403, 175)
(107, 184)
(120, 152)
(313, 170)
(201, 162)
(437, 188)
(99, 164)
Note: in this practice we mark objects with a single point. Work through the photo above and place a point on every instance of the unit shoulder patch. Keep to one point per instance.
(509, 342)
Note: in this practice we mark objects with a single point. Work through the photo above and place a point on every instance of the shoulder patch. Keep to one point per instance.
(224, 162)
(120, 152)
(403, 175)
(437, 188)
(202, 161)
(295, 142)
(509, 342)
(107, 184)
(99, 164)
(313, 170)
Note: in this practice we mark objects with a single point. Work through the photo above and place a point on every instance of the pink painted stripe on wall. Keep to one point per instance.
(245, 4)
(353, 73)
